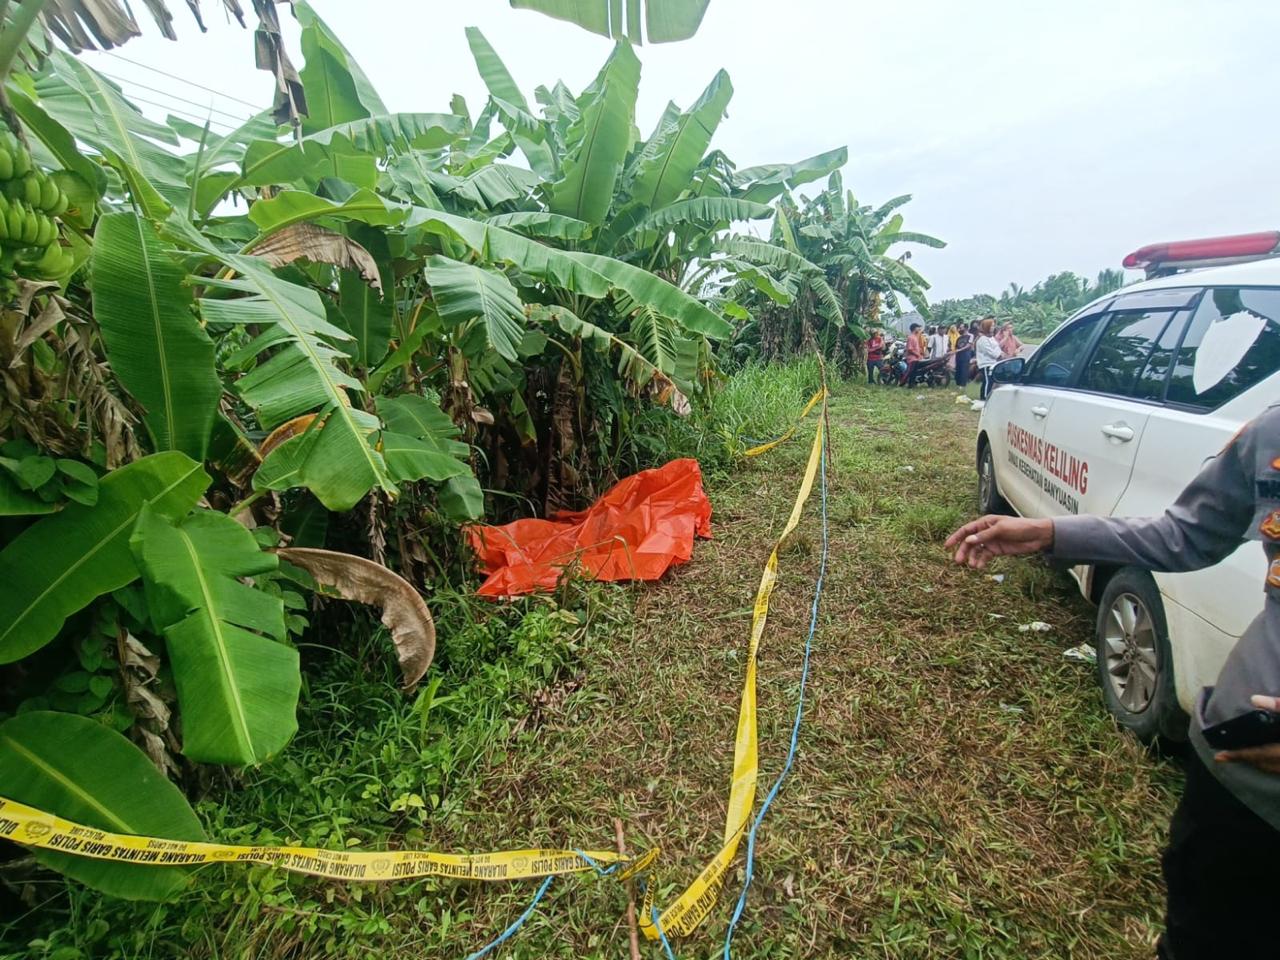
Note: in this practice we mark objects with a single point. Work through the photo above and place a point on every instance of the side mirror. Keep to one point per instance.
(1009, 371)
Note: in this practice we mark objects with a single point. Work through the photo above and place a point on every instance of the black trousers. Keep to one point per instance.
(1220, 868)
(873, 371)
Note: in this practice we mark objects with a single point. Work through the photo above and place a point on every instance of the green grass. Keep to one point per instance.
(960, 791)
(757, 403)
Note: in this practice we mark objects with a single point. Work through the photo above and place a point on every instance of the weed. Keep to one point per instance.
(928, 522)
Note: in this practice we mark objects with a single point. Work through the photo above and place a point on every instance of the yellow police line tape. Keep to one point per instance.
(691, 907)
(766, 447)
(32, 827)
(36, 828)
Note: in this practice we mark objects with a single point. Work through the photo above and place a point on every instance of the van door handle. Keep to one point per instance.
(1040, 412)
(1118, 431)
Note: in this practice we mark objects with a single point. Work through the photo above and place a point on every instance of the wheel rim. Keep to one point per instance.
(1132, 659)
(986, 479)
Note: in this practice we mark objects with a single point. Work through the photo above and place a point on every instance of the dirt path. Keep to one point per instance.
(959, 792)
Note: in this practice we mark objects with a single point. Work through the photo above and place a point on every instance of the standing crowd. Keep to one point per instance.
(937, 354)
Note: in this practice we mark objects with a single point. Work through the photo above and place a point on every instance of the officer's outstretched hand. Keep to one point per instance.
(1266, 757)
(991, 536)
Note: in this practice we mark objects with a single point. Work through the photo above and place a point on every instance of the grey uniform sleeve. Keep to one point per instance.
(1206, 523)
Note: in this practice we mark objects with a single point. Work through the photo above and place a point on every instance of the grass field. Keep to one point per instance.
(959, 791)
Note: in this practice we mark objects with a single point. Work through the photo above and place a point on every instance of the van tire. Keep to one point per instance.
(1132, 642)
(989, 499)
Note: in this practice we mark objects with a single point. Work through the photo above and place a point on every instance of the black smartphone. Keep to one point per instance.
(1252, 729)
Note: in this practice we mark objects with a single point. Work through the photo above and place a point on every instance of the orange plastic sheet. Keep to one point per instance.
(637, 531)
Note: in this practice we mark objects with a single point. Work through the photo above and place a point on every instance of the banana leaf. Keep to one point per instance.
(306, 242)
(81, 770)
(110, 23)
(463, 292)
(498, 183)
(886, 208)
(504, 91)
(403, 612)
(338, 91)
(885, 240)
(403, 131)
(368, 316)
(584, 273)
(704, 210)
(599, 140)
(60, 564)
(779, 258)
(94, 110)
(764, 183)
(336, 459)
(665, 21)
(290, 207)
(303, 374)
(462, 499)
(505, 246)
(267, 161)
(535, 223)
(632, 364)
(419, 443)
(237, 683)
(657, 295)
(667, 162)
(155, 345)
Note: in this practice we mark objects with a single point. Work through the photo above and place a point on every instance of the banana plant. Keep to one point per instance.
(661, 203)
(837, 268)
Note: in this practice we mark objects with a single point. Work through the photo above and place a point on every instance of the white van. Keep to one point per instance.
(1113, 415)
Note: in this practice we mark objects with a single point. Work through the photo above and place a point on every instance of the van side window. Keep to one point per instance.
(1151, 382)
(1054, 362)
(1123, 350)
(1233, 342)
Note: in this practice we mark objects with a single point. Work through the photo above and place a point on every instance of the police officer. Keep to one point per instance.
(1223, 858)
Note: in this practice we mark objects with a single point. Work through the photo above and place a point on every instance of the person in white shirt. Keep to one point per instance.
(938, 345)
(988, 352)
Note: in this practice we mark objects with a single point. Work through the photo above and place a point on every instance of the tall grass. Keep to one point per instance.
(756, 403)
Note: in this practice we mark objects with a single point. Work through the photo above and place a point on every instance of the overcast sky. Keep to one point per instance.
(1036, 137)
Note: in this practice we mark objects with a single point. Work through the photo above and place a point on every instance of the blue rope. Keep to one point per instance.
(666, 944)
(600, 871)
(511, 931)
(795, 726)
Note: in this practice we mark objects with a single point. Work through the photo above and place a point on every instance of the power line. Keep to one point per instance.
(256, 108)
(173, 96)
(187, 113)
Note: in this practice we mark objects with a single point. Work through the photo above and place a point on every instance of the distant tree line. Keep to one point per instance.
(1035, 311)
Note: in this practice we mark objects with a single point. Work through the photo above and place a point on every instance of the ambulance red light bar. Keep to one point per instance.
(1159, 258)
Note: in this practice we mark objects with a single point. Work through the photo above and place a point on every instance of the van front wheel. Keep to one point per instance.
(1135, 666)
(989, 499)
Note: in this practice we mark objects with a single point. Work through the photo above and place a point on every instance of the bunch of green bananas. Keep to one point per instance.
(30, 201)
